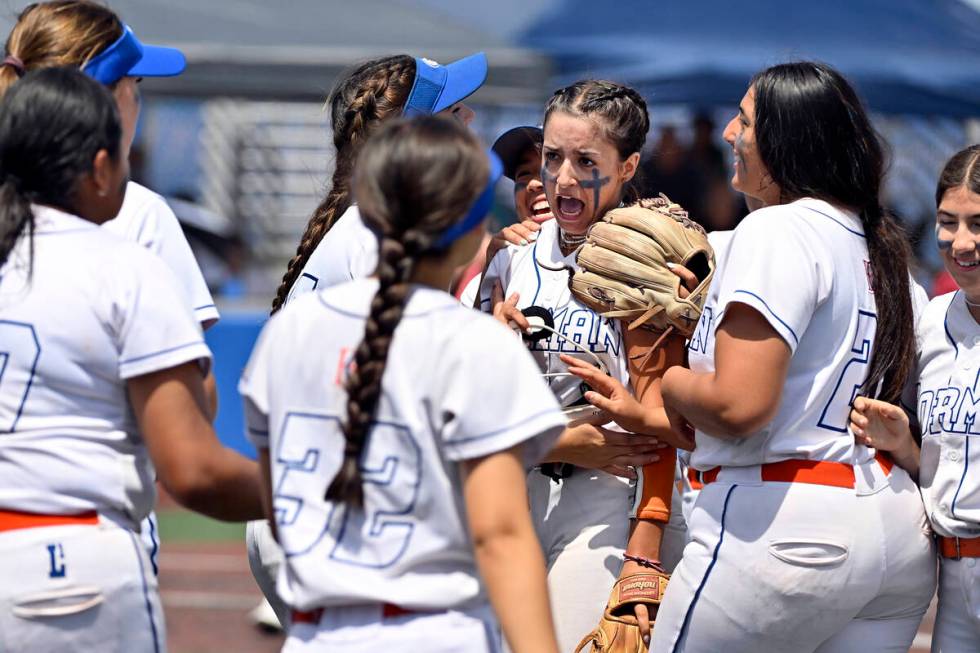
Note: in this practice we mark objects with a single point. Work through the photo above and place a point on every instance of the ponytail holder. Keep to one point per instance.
(481, 207)
(15, 63)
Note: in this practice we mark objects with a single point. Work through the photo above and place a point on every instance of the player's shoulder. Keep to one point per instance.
(140, 200)
(142, 215)
(937, 312)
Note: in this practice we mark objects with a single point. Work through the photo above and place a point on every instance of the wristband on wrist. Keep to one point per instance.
(645, 562)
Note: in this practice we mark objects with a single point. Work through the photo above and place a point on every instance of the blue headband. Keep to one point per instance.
(481, 207)
(115, 62)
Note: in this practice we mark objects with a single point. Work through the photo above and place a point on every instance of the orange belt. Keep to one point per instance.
(12, 520)
(798, 470)
(958, 547)
(388, 611)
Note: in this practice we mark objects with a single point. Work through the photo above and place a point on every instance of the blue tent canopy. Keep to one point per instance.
(906, 56)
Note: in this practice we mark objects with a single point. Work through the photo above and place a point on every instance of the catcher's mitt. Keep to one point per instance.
(624, 270)
(619, 631)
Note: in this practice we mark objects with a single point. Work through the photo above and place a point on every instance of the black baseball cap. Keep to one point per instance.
(514, 143)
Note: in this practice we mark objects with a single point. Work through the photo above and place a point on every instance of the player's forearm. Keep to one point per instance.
(709, 406)
(225, 487)
(513, 569)
(907, 457)
(645, 540)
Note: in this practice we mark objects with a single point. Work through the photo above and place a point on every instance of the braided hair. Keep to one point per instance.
(413, 180)
(371, 93)
(620, 112)
(52, 124)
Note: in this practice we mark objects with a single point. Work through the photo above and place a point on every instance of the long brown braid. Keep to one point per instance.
(413, 180)
(371, 93)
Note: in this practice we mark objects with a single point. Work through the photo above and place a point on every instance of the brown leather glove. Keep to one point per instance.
(618, 630)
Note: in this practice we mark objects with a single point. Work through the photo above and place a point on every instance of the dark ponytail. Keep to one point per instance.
(621, 112)
(414, 179)
(816, 140)
(371, 93)
(53, 122)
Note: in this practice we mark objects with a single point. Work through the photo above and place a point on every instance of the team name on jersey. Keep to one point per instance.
(584, 327)
(952, 409)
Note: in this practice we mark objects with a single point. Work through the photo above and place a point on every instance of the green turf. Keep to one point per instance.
(185, 526)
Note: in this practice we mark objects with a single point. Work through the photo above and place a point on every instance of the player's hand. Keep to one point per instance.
(507, 311)
(520, 233)
(594, 447)
(612, 397)
(880, 425)
(689, 281)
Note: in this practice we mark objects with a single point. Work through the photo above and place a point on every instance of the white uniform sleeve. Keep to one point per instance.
(772, 268)
(152, 323)
(254, 388)
(492, 397)
(496, 271)
(163, 236)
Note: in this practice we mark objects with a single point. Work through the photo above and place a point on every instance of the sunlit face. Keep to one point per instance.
(460, 112)
(958, 235)
(530, 200)
(127, 94)
(749, 175)
(582, 172)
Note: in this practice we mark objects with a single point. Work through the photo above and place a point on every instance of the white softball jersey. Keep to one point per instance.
(457, 385)
(539, 273)
(91, 312)
(348, 251)
(147, 219)
(815, 293)
(948, 407)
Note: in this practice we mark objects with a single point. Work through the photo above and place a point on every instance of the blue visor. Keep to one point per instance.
(481, 207)
(128, 57)
(440, 87)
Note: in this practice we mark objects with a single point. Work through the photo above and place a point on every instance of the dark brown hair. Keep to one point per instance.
(816, 140)
(414, 179)
(960, 170)
(372, 92)
(620, 112)
(59, 33)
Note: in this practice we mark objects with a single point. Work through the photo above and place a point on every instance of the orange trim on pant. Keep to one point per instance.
(12, 520)
(798, 470)
(958, 547)
(658, 487)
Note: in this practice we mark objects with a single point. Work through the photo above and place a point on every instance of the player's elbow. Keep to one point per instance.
(192, 485)
(741, 418)
(495, 539)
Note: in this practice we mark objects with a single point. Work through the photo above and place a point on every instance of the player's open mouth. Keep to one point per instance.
(540, 209)
(570, 208)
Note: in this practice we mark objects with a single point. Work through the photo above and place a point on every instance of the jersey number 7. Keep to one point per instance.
(19, 353)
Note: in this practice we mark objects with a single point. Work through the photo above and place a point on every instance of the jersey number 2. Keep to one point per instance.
(391, 472)
(838, 408)
(19, 352)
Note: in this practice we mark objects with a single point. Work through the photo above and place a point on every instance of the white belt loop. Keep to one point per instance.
(747, 475)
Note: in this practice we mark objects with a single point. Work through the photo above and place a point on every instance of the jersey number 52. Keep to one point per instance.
(307, 457)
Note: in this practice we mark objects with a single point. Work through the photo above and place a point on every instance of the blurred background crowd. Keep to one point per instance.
(240, 143)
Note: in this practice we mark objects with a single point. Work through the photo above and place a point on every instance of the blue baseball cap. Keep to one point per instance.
(128, 57)
(439, 87)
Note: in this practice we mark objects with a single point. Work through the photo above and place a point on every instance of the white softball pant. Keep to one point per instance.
(795, 567)
(265, 557)
(78, 588)
(958, 618)
(583, 525)
(363, 629)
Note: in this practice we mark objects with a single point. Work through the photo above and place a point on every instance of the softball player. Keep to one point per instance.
(91, 404)
(800, 540)
(944, 392)
(374, 92)
(377, 90)
(593, 133)
(379, 466)
(87, 35)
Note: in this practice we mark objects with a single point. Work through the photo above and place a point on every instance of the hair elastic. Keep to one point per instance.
(16, 63)
(481, 207)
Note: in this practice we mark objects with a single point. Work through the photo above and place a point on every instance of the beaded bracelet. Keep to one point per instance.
(645, 562)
